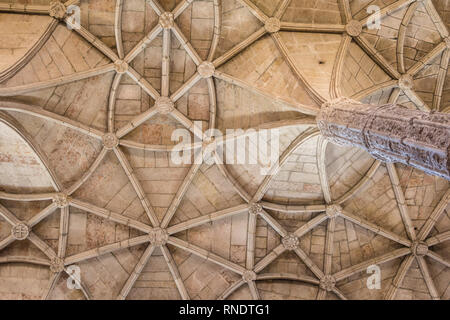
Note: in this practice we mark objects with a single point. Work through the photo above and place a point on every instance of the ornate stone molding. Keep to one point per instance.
(57, 265)
(209, 146)
(354, 28)
(328, 282)
(120, 66)
(406, 82)
(272, 25)
(164, 105)
(419, 249)
(20, 231)
(390, 133)
(28, 139)
(26, 58)
(333, 210)
(255, 208)
(158, 236)
(290, 242)
(206, 69)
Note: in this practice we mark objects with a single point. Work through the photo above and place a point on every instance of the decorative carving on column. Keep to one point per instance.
(390, 133)
(164, 105)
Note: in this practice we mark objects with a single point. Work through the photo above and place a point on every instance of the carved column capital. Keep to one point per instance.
(249, 275)
(328, 282)
(290, 242)
(354, 28)
(390, 133)
(166, 20)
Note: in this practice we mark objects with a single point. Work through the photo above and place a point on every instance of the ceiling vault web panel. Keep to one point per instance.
(141, 227)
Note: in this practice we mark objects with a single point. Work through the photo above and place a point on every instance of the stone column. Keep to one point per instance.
(390, 133)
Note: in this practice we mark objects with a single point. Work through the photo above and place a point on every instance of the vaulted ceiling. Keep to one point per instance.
(86, 176)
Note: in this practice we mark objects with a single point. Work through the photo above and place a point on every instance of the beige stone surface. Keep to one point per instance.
(88, 118)
(22, 169)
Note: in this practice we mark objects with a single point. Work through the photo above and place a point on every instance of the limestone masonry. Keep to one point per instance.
(92, 205)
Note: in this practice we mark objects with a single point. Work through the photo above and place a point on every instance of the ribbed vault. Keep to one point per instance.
(97, 105)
